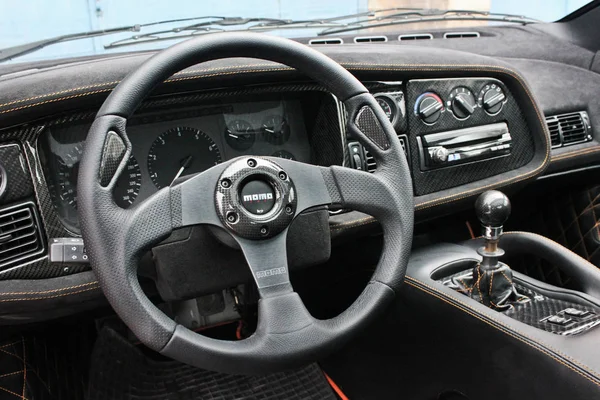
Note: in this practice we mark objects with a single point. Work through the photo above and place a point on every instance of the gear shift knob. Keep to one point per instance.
(492, 208)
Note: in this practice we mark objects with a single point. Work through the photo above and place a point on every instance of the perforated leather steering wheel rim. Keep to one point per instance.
(287, 335)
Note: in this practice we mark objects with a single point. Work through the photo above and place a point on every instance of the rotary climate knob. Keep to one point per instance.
(463, 102)
(429, 107)
(493, 98)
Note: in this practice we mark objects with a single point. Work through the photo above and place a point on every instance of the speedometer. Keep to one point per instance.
(180, 151)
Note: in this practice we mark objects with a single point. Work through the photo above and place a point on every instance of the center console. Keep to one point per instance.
(557, 325)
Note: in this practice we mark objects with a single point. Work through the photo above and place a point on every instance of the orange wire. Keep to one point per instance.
(335, 387)
(470, 229)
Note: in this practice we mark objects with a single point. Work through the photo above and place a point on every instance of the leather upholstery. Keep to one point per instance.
(580, 354)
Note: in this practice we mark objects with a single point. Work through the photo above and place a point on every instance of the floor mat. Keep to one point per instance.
(45, 365)
(120, 370)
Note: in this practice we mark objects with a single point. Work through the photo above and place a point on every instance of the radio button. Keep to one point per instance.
(439, 155)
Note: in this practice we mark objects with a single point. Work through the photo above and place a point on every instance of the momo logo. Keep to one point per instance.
(258, 197)
(271, 272)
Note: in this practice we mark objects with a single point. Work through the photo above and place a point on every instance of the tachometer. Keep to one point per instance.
(180, 151)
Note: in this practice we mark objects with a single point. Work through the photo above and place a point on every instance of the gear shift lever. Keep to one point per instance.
(492, 279)
(493, 209)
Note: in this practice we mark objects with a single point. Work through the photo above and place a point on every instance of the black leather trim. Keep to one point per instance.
(585, 273)
(580, 353)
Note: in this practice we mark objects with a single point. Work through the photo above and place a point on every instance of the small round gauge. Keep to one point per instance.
(387, 108)
(180, 151)
(128, 184)
(276, 130)
(240, 135)
(284, 154)
(462, 102)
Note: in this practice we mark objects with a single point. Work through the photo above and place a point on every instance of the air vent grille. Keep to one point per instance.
(370, 39)
(370, 160)
(416, 36)
(568, 129)
(20, 236)
(460, 35)
(326, 41)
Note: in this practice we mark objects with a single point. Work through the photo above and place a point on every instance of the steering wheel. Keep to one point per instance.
(254, 199)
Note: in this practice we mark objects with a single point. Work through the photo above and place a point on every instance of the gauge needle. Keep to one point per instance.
(185, 163)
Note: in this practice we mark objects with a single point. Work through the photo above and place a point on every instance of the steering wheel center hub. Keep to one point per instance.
(255, 198)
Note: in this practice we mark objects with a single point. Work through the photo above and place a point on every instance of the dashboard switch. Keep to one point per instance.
(357, 158)
(558, 320)
(574, 312)
(68, 250)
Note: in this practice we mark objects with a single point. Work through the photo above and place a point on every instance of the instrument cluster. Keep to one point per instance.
(170, 144)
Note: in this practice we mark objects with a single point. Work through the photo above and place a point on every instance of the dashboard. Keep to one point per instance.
(167, 144)
(464, 127)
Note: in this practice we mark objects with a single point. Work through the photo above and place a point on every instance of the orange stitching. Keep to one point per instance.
(41, 96)
(10, 344)
(576, 153)
(13, 393)
(50, 291)
(506, 277)
(470, 289)
(11, 373)
(110, 89)
(54, 100)
(503, 328)
(48, 297)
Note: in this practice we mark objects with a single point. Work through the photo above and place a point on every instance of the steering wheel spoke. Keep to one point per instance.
(267, 260)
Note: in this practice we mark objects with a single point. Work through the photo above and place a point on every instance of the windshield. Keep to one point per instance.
(24, 22)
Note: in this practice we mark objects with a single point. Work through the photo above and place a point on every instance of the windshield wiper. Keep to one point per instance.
(22, 49)
(219, 24)
(211, 24)
(388, 17)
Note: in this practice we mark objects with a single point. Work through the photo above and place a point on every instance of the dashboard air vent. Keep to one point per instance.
(370, 39)
(370, 160)
(460, 35)
(326, 41)
(554, 129)
(568, 129)
(20, 236)
(416, 36)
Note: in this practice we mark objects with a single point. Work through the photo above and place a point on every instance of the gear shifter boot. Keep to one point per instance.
(493, 287)
(491, 282)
